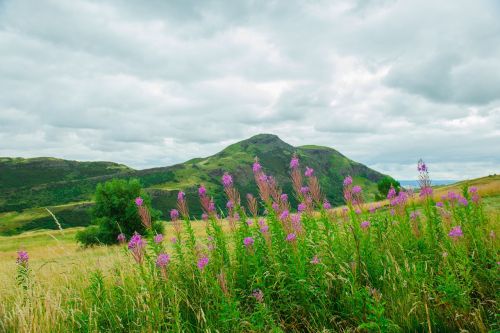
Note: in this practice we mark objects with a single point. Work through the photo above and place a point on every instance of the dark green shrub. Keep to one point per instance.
(115, 212)
(385, 184)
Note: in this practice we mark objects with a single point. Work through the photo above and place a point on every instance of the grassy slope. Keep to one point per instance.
(163, 183)
(57, 260)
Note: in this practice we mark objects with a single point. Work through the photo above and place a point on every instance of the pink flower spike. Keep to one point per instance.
(365, 224)
(174, 214)
(202, 263)
(158, 238)
(309, 172)
(227, 180)
(202, 191)
(348, 181)
(291, 237)
(121, 238)
(256, 167)
(162, 260)
(139, 201)
(22, 258)
(248, 241)
(456, 232)
(315, 260)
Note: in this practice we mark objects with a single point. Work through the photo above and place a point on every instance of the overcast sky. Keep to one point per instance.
(152, 83)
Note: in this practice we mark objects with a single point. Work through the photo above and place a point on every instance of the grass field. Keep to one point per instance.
(381, 278)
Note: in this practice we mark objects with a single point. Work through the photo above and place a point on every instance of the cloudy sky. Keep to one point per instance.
(152, 83)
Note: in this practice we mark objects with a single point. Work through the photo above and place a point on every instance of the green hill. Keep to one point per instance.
(38, 185)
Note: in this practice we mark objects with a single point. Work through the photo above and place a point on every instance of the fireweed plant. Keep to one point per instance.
(415, 264)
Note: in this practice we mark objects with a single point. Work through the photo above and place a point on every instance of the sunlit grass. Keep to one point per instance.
(400, 272)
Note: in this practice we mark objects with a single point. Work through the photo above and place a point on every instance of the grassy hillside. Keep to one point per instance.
(31, 172)
(77, 180)
(407, 271)
(45, 181)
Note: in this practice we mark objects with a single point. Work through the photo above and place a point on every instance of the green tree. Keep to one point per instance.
(116, 212)
(385, 184)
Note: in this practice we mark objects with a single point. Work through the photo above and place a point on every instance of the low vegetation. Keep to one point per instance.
(421, 262)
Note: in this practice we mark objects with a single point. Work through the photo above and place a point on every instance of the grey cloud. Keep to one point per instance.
(448, 79)
(156, 83)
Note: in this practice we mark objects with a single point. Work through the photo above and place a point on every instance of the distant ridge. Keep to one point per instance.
(40, 182)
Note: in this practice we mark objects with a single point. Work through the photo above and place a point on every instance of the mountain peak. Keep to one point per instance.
(258, 144)
(264, 140)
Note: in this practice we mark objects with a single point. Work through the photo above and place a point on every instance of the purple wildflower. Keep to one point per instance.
(296, 222)
(392, 193)
(473, 189)
(264, 228)
(256, 167)
(204, 216)
(249, 223)
(284, 215)
(139, 201)
(202, 262)
(211, 206)
(284, 197)
(356, 189)
(372, 209)
(439, 204)
(456, 232)
(291, 237)
(22, 258)
(158, 238)
(304, 190)
(301, 207)
(294, 162)
(137, 245)
(348, 181)
(421, 167)
(414, 215)
(259, 295)
(365, 224)
(162, 260)
(236, 216)
(357, 211)
(248, 241)
(121, 238)
(315, 260)
(174, 214)
(136, 242)
(309, 172)
(426, 191)
(229, 204)
(326, 205)
(227, 180)
(462, 201)
(173, 240)
(202, 191)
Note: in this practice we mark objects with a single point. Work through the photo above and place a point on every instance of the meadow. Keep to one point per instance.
(416, 262)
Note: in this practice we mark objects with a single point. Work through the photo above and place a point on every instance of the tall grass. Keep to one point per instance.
(415, 265)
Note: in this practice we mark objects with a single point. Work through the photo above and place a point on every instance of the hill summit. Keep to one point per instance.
(41, 182)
